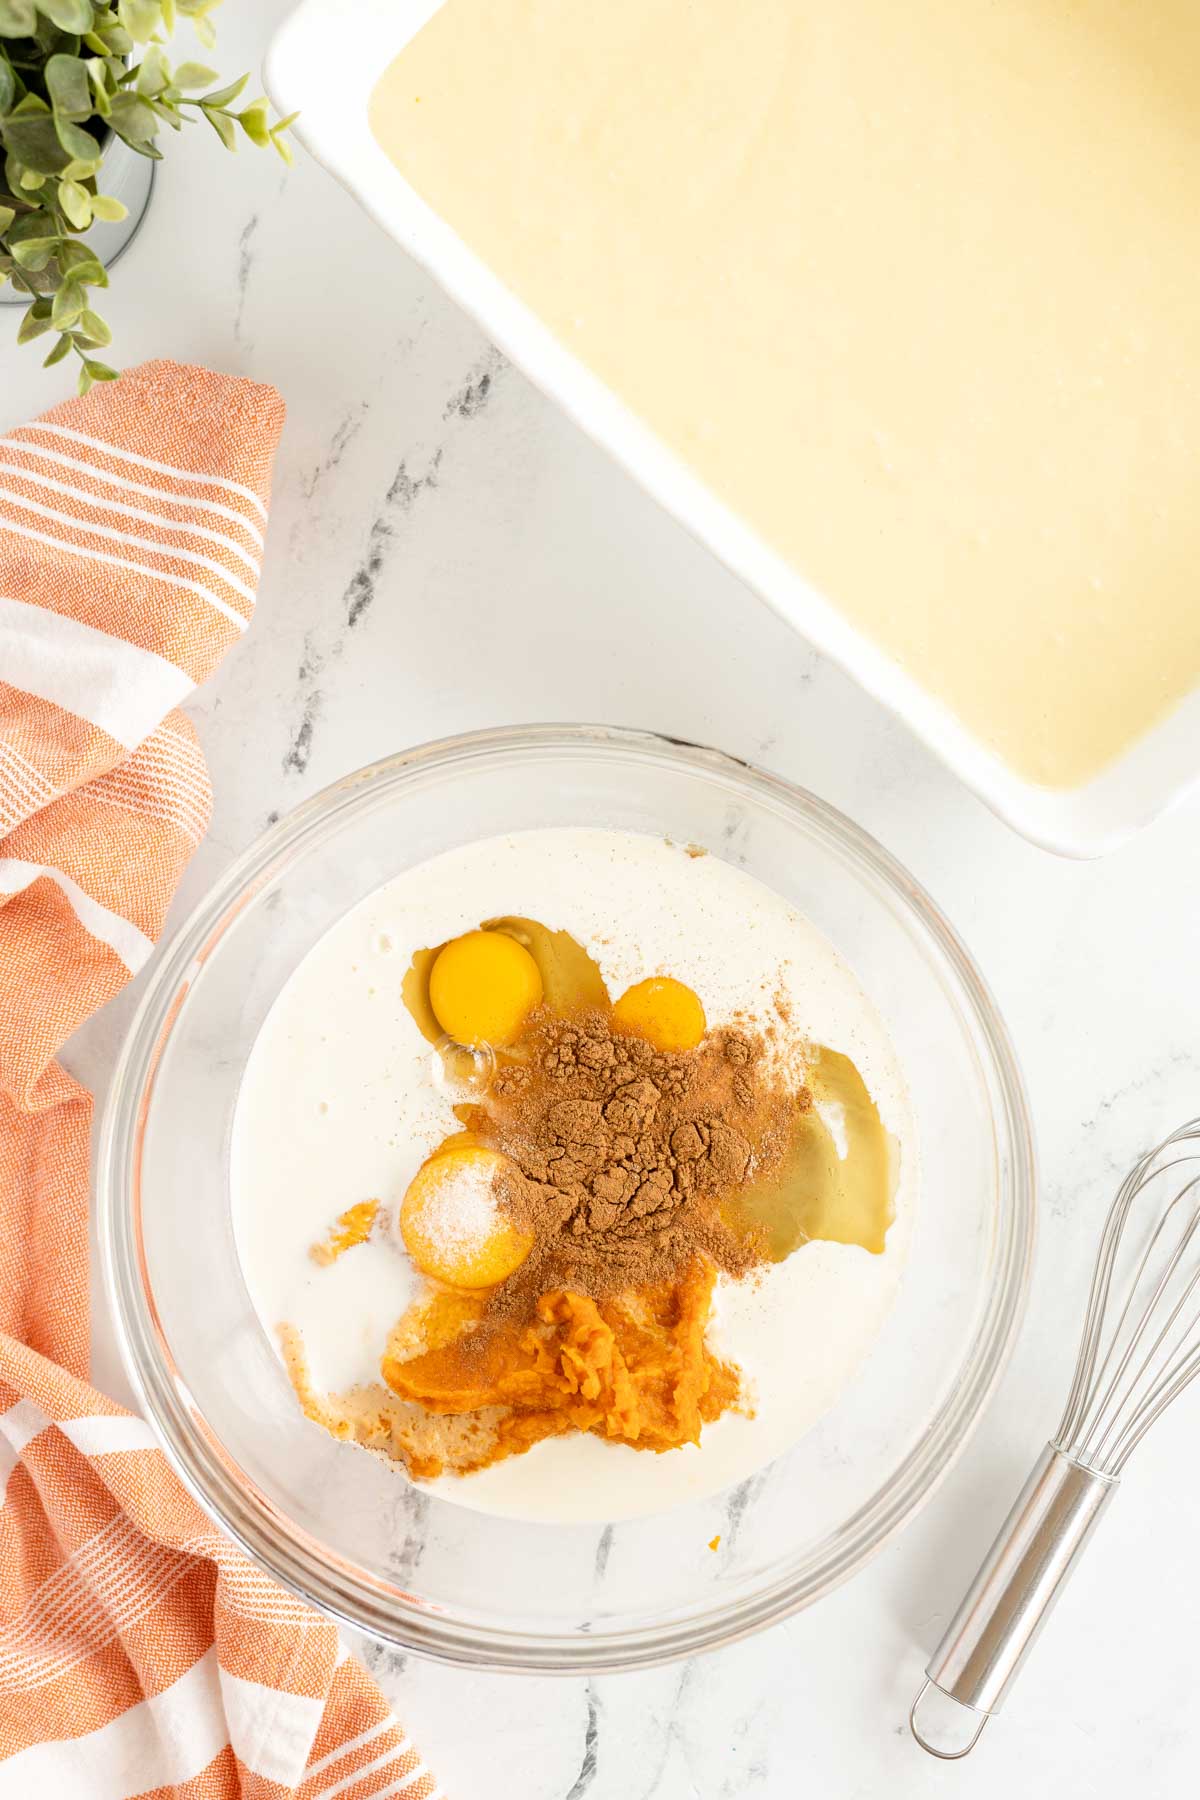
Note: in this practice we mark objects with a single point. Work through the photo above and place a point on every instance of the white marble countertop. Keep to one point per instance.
(447, 551)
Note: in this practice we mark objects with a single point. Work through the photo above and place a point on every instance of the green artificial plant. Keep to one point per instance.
(74, 76)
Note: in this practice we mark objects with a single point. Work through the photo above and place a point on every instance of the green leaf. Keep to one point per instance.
(68, 87)
(32, 240)
(253, 121)
(36, 320)
(82, 264)
(18, 18)
(60, 350)
(224, 127)
(92, 328)
(31, 137)
(68, 15)
(8, 84)
(154, 72)
(33, 255)
(97, 68)
(132, 118)
(67, 305)
(7, 215)
(100, 371)
(109, 40)
(76, 203)
(141, 18)
(37, 223)
(225, 95)
(101, 101)
(193, 75)
(80, 145)
(105, 207)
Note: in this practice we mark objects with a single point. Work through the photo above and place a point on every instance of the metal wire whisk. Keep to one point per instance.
(1140, 1348)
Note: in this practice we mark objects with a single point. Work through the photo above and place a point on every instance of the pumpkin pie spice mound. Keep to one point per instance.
(626, 1153)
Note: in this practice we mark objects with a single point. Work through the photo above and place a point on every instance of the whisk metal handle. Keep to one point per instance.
(1018, 1583)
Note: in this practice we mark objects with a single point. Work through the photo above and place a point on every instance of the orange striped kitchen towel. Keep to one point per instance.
(140, 1653)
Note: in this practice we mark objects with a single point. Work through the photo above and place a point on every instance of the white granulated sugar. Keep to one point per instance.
(459, 1212)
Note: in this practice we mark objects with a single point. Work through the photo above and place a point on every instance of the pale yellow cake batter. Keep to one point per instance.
(914, 287)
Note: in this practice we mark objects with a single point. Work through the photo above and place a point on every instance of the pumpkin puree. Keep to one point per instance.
(634, 1368)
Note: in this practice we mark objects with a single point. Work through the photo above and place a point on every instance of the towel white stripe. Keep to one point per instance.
(171, 552)
(65, 1601)
(120, 687)
(104, 1434)
(150, 787)
(271, 1730)
(360, 1774)
(41, 1645)
(248, 1592)
(59, 459)
(173, 801)
(34, 789)
(93, 1633)
(187, 746)
(18, 1426)
(153, 774)
(131, 945)
(405, 1781)
(111, 1558)
(170, 775)
(179, 818)
(147, 462)
(98, 502)
(159, 1743)
(46, 1592)
(172, 758)
(28, 792)
(364, 1737)
(125, 562)
(29, 771)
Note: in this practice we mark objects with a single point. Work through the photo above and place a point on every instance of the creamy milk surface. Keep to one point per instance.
(913, 288)
(341, 1103)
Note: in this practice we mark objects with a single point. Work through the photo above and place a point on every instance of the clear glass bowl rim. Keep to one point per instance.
(250, 1518)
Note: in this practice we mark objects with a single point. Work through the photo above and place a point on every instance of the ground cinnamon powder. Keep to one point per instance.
(627, 1151)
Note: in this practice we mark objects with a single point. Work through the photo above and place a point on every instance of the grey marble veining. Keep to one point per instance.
(446, 551)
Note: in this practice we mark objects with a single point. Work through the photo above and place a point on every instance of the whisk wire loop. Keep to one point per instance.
(1132, 1365)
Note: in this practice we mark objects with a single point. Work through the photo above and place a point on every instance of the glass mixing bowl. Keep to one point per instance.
(351, 1534)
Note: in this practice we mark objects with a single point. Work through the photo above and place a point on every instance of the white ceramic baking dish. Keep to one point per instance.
(324, 62)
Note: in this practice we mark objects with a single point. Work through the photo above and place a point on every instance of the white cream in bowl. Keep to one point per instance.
(341, 1102)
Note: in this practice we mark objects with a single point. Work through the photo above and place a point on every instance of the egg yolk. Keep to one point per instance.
(482, 988)
(452, 1224)
(663, 1011)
